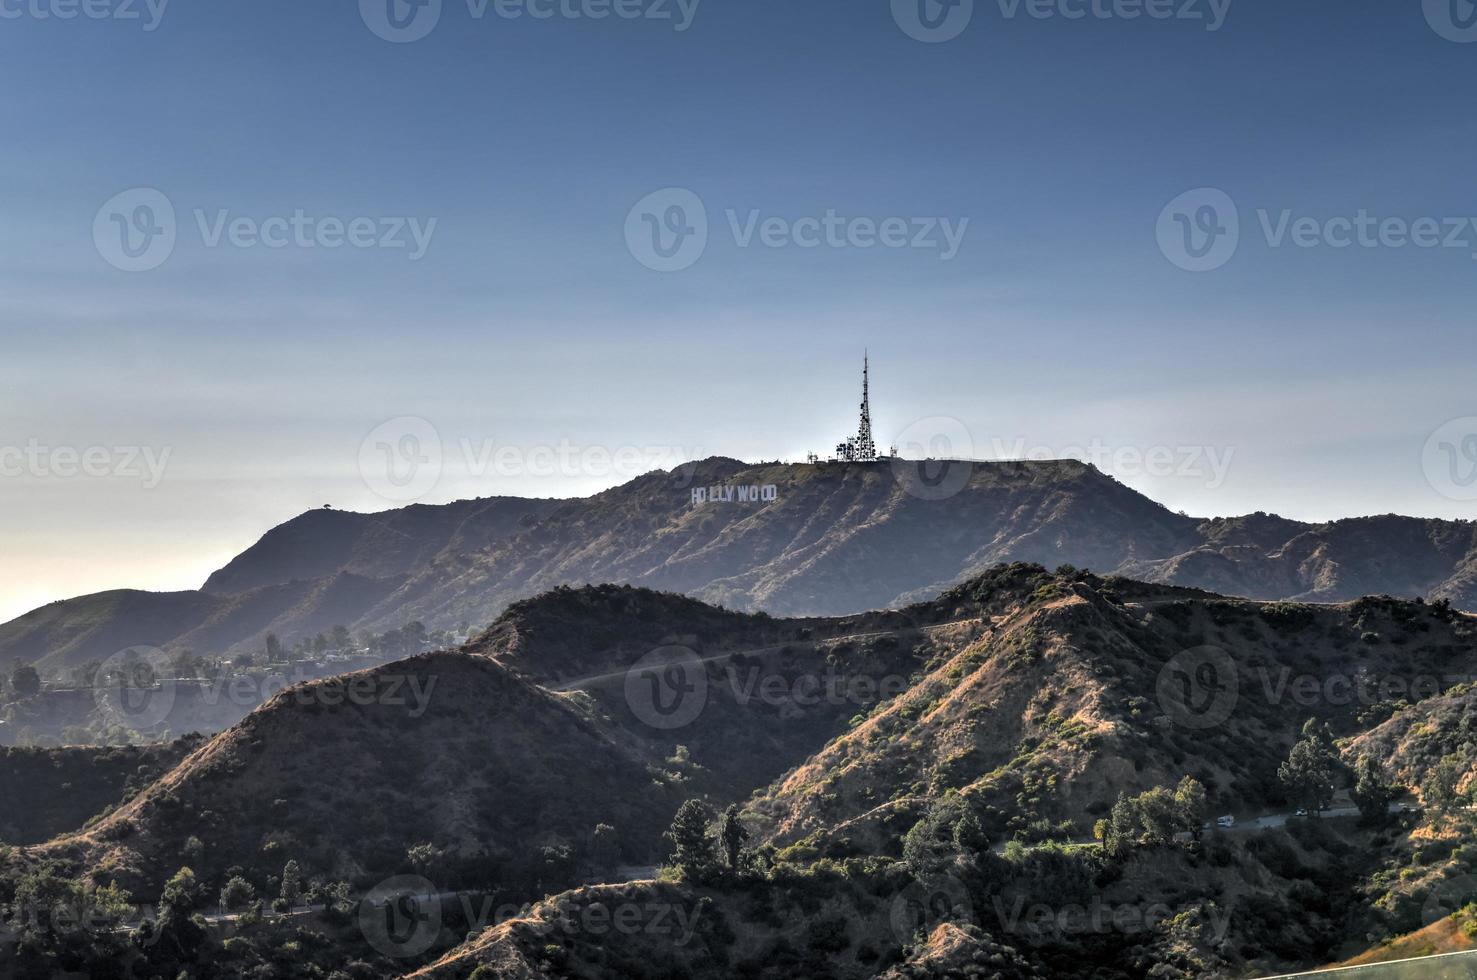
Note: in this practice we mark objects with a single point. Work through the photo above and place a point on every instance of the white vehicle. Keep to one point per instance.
(1226, 822)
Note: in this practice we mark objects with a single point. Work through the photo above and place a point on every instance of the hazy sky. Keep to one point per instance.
(1059, 316)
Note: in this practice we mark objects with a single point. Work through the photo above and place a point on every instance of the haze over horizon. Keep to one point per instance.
(1324, 371)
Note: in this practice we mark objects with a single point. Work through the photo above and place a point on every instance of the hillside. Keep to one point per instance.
(64, 788)
(836, 539)
(446, 749)
(1042, 722)
(965, 746)
(323, 543)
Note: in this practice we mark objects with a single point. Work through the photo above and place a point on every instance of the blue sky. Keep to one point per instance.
(1323, 372)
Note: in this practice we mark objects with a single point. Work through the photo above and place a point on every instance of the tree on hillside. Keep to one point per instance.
(1190, 807)
(292, 885)
(1372, 794)
(605, 848)
(1439, 791)
(180, 935)
(732, 835)
(1123, 825)
(181, 893)
(25, 681)
(931, 842)
(237, 894)
(693, 851)
(1158, 815)
(274, 649)
(969, 835)
(1311, 769)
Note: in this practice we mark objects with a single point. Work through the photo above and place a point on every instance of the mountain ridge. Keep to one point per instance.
(836, 539)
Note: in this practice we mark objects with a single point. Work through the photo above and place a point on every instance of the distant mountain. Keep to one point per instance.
(830, 539)
(324, 543)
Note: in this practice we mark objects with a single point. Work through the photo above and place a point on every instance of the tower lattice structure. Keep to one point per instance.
(860, 448)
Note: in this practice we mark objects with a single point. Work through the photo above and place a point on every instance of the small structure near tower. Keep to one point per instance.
(859, 448)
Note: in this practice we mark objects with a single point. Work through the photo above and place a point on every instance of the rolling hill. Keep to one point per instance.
(1029, 702)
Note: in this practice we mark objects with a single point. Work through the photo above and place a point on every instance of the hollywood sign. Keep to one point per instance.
(731, 494)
